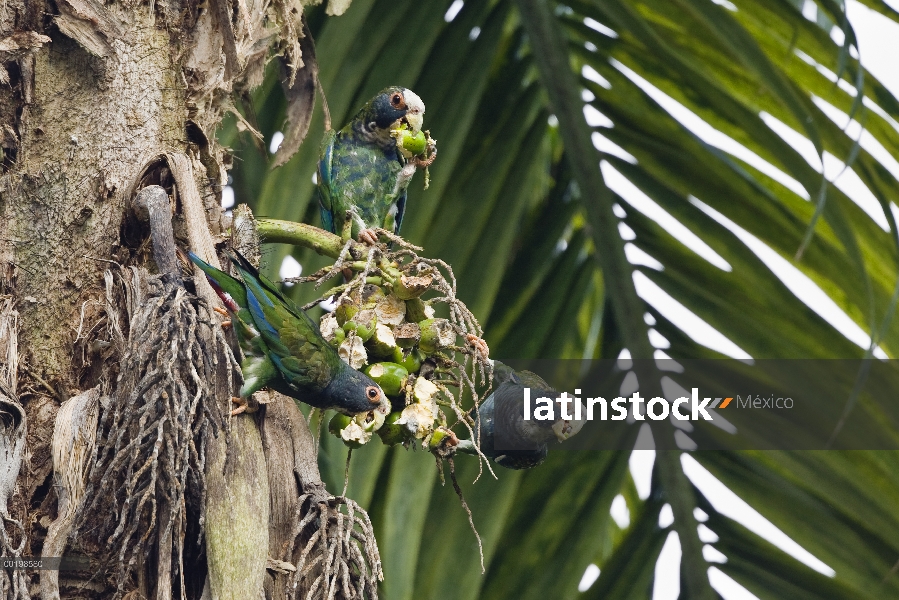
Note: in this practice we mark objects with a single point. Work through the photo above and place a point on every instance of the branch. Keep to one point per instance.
(679, 493)
(300, 234)
(152, 203)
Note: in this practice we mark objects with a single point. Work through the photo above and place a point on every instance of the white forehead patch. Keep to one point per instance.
(416, 106)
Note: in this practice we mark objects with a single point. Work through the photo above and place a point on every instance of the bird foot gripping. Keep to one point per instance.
(479, 345)
(247, 405)
(424, 161)
(368, 236)
(225, 322)
(372, 236)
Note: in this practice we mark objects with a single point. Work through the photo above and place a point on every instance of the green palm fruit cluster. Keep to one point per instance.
(389, 332)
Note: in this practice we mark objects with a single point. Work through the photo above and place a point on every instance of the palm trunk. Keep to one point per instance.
(97, 101)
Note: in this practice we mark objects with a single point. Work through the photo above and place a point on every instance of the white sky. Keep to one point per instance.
(878, 43)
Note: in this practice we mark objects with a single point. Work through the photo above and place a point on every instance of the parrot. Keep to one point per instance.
(500, 422)
(363, 170)
(283, 347)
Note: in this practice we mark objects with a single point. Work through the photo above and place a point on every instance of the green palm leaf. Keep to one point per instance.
(518, 205)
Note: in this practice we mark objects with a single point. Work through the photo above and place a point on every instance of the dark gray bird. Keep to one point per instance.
(505, 437)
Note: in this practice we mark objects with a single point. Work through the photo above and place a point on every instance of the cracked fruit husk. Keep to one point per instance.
(435, 335)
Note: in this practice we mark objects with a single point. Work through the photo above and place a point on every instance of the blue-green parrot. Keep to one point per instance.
(363, 169)
(505, 437)
(283, 347)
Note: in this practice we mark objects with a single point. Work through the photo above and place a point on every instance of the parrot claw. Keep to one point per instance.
(479, 345)
(422, 163)
(220, 310)
(368, 236)
(244, 405)
(226, 323)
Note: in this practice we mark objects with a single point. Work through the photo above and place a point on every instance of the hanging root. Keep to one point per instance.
(340, 554)
(467, 510)
(13, 540)
(74, 438)
(147, 467)
(14, 583)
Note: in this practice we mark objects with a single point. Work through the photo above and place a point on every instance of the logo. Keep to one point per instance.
(657, 409)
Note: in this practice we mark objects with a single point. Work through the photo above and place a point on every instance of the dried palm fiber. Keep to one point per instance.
(74, 437)
(13, 584)
(329, 549)
(147, 469)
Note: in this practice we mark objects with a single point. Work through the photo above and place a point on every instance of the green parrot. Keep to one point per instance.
(284, 349)
(363, 170)
(522, 444)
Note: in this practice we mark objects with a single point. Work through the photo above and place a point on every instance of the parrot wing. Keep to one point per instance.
(295, 344)
(400, 211)
(257, 368)
(325, 182)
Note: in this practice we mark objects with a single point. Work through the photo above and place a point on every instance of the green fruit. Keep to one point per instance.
(407, 335)
(398, 357)
(415, 143)
(328, 326)
(345, 311)
(425, 392)
(390, 310)
(364, 332)
(412, 362)
(366, 321)
(352, 443)
(409, 287)
(390, 376)
(337, 424)
(349, 430)
(371, 293)
(369, 422)
(440, 435)
(363, 324)
(382, 344)
(416, 310)
(392, 434)
(435, 334)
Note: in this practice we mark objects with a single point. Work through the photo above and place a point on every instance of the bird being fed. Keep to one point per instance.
(366, 167)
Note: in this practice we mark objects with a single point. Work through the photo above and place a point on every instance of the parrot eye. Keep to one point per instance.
(397, 101)
(373, 394)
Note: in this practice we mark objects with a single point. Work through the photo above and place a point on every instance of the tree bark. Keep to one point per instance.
(99, 101)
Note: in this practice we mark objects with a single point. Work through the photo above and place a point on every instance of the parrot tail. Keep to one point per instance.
(211, 274)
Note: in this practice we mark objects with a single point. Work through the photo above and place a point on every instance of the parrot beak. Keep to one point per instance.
(373, 420)
(565, 429)
(415, 113)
